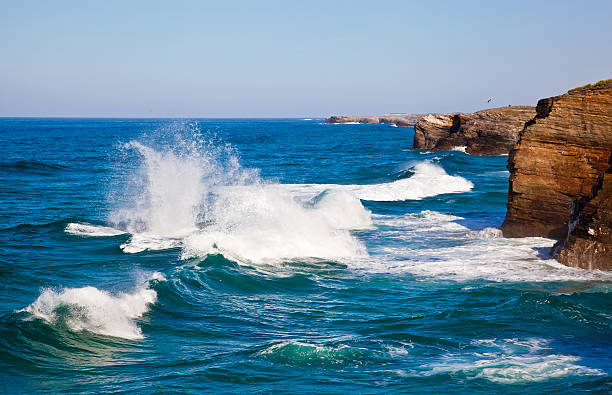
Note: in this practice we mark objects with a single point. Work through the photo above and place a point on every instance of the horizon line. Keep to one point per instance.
(158, 117)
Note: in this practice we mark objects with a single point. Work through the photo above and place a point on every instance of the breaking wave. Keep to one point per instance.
(427, 180)
(195, 195)
(308, 354)
(94, 310)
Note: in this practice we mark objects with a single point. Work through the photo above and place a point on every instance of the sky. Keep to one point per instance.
(294, 58)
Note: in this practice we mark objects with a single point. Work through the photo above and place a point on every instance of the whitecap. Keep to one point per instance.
(428, 180)
(89, 230)
(94, 310)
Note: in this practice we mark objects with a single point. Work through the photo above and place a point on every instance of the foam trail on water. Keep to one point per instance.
(454, 252)
(89, 230)
(95, 310)
(509, 361)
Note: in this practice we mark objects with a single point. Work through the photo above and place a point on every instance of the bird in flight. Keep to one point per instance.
(489, 101)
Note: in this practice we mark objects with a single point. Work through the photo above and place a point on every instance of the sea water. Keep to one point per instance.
(277, 255)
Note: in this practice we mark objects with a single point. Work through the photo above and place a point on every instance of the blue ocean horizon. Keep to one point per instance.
(277, 255)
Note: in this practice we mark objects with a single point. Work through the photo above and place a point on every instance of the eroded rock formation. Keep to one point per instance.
(399, 120)
(487, 132)
(589, 242)
(560, 177)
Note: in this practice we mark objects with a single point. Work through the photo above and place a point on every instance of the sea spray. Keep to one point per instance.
(167, 190)
(265, 224)
(195, 195)
(94, 310)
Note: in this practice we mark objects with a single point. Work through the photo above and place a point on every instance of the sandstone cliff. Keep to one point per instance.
(560, 177)
(589, 243)
(487, 132)
(399, 120)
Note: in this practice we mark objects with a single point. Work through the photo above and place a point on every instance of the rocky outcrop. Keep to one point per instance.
(431, 129)
(398, 120)
(560, 177)
(588, 244)
(487, 132)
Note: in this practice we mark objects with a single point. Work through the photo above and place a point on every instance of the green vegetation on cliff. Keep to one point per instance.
(598, 83)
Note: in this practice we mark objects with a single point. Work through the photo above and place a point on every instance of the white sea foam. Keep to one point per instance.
(140, 242)
(428, 180)
(302, 353)
(205, 203)
(486, 233)
(424, 221)
(89, 230)
(460, 148)
(193, 196)
(453, 252)
(498, 260)
(95, 310)
(202, 201)
(169, 192)
(509, 361)
(499, 173)
(260, 223)
(342, 210)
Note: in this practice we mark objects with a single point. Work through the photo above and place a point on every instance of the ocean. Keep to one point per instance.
(277, 256)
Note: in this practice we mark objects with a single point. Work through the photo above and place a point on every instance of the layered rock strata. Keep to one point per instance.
(560, 177)
(399, 120)
(487, 132)
(589, 242)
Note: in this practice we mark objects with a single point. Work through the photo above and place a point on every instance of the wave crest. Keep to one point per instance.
(98, 311)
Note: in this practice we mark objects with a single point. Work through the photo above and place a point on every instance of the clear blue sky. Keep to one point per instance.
(294, 58)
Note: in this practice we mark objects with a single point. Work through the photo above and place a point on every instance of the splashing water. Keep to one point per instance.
(95, 310)
(196, 196)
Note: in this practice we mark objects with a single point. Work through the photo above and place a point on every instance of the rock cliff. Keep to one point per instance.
(487, 132)
(560, 177)
(588, 244)
(399, 120)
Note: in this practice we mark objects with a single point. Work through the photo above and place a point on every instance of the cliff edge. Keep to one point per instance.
(487, 132)
(560, 177)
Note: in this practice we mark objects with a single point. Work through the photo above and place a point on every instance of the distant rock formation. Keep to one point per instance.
(487, 132)
(560, 181)
(398, 120)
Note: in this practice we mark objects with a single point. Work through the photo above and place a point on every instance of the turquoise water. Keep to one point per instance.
(281, 256)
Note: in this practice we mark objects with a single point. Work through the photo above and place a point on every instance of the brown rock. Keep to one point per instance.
(561, 156)
(487, 132)
(430, 129)
(589, 242)
(399, 120)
